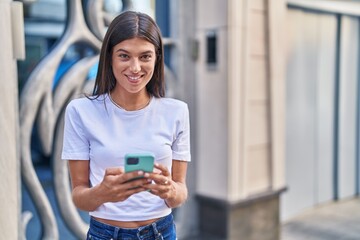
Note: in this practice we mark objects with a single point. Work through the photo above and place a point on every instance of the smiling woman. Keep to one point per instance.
(128, 114)
(133, 63)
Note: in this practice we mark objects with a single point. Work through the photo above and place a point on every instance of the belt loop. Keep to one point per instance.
(116, 233)
(157, 235)
(138, 233)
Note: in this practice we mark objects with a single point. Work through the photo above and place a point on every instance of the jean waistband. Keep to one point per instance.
(161, 224)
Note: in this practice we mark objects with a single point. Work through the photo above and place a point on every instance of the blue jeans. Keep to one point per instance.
(162, 229)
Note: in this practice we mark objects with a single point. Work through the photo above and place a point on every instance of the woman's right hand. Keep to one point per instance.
(114, 187)
(118, 185)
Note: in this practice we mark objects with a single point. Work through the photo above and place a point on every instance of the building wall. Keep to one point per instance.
(235, 100)
(240, 116)
(310, 87)
(322, 123)
(211, 101)
(9, 159)
(257, 146)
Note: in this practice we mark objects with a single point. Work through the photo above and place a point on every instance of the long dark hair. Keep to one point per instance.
(129, 25)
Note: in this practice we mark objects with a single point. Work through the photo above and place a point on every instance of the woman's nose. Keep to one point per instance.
(135, 66)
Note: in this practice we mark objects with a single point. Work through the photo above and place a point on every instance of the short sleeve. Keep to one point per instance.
(181, 144)
(75, 144)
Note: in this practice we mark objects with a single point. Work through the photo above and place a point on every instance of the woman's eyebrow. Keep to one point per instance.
(147, 52)
(123, 50)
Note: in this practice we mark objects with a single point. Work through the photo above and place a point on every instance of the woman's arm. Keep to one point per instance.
(113, 188)
(84, 197)
(179, 189)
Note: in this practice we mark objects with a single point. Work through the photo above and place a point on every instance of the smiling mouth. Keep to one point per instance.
(134, 78)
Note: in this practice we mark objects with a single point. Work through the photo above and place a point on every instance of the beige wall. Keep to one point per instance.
(240, 117)
(212, 112)
(9, 164)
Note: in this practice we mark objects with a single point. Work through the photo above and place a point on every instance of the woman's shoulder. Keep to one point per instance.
(85, 102)
(172, 103)
(176, 107)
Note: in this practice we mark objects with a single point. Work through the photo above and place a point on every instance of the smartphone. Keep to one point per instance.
(137, 162)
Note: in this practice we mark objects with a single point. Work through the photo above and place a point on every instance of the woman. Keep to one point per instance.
(128, 113)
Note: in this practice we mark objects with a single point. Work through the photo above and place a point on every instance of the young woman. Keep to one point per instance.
(128, 113)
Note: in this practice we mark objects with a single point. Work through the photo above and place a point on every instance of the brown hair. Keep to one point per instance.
(129, 25)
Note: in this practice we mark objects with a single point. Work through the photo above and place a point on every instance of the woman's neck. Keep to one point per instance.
(131, 102)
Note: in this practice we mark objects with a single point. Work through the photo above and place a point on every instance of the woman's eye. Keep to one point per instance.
(123, 56)
(146, 57)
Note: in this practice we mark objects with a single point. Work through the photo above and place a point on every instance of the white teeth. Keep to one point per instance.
(134, 78)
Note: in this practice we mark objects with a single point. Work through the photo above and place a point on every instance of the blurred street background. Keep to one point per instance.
(273, 89)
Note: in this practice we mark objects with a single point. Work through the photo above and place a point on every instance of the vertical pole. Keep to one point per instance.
(336, 112)
(357, 164)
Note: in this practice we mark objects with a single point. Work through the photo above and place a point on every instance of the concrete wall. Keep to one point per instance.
(9, 158)
(240, 118)
(240, 104)
(211, 100)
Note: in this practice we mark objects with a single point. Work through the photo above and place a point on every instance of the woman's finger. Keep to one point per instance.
(164, 170)
(126, 177)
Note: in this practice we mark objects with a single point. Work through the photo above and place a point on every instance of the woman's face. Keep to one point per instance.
(133, 63)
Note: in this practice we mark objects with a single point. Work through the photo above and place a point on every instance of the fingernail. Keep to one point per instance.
(146, 175)
(140, 172)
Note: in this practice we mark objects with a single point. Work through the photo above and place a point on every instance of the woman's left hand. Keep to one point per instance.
(163, 186)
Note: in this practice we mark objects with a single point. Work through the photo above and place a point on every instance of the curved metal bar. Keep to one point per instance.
(95, 17)
(25, 218)
(37, 94)
(71, 85)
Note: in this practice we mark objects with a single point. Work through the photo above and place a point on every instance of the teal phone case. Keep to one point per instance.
(137, 162)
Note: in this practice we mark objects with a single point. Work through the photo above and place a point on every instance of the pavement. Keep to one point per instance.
(339, 220)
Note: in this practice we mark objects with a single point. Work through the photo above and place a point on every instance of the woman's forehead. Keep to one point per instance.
(134, 45)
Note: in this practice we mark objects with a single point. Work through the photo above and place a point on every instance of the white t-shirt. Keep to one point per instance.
(98, 131)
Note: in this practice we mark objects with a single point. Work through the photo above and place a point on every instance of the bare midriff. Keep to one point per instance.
(123, 224)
